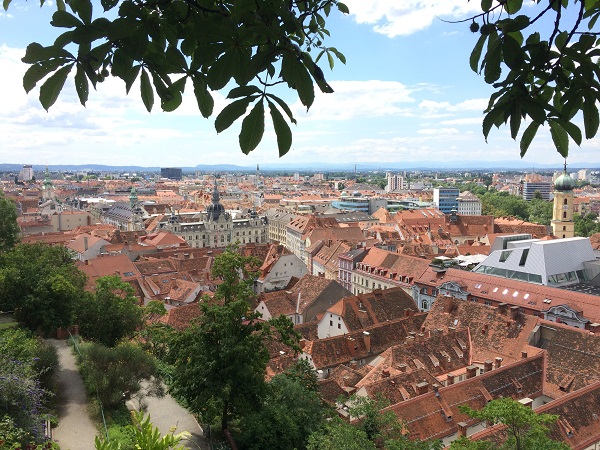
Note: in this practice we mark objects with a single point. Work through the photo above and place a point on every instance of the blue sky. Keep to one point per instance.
(405, 94)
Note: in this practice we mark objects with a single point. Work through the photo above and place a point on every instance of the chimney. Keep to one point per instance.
(302, 344)
(422, 388)
(352, 346)
(502, 307)
(471, 371)
(487, 365)
(436, 388)
(85, 243)
(367, 339)
(595, 328)
(497, 362)
(450, 379)
(451, 330)
(402, 367)
(523, 354)
(385, 373)
(408, 312)
(353, 364)
(462, 429)
(514, 312)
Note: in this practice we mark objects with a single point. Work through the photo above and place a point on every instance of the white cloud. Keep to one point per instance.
(438, 132)
(358, 99)
(403, 17)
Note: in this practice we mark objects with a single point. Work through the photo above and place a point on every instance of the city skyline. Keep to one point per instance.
(406, 94)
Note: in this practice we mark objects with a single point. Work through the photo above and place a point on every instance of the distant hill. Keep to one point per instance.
(312, 166)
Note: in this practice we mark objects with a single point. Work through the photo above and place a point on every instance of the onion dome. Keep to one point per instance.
(564, 183)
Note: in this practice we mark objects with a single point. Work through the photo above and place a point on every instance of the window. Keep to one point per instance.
(565, 201)
(331, 323)
(564, 215)
(425, 305)
(339, 326)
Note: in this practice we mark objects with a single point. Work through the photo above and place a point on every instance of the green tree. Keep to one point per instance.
(111, 313)
(339, 435)
(9, 229)
(207, 45)
(525, 429)
(288, 415)
(540, 211)
(586, 225)
(302, 372)
(220, 362)
(41, 285)
(110, 373)
(544, 79)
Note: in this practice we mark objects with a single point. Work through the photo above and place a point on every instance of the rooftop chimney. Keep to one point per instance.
(402, 367)
(422, 388)
(462, 429)
(450, 379)
(471, 371)
(523, 354)
(487, 365)
(85, 243)
(367, 339)
(497, 362)
(514, 312)
(502, 307)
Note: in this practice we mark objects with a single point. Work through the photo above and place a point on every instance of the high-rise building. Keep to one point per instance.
(26, 173)
(446, 199)
(395, 182)
(531, 187)
(171, 173)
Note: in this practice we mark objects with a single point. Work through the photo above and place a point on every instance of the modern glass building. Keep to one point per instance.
(446, 199)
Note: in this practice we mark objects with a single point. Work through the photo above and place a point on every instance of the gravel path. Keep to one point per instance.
(75, 430)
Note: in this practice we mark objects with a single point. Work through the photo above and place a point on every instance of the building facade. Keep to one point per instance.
(563, 225)
(446, 199)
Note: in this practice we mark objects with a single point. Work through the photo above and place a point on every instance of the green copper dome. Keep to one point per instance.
(564, 183)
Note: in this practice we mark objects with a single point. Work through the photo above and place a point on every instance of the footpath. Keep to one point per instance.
(76, 431)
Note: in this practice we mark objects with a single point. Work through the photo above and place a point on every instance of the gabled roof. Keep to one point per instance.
(375, 307)
(110, 265)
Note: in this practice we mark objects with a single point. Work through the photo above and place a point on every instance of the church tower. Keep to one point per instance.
(47, 187)
(563, 225)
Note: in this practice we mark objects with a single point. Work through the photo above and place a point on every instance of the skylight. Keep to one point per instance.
(526, 296)
(495, 289)
(515, 293)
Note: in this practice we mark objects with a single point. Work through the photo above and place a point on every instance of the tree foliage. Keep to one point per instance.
(41, 285)
(246, 46)
(288, 415)
(220, 362)
(111, 313)
(24, 377)
(9, 229)
(110, 373)
(586, 225)
(525, 429)
(541, 79)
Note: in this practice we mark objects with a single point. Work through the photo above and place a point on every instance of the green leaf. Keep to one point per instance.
(559, 137)
(63, 19)
(491, 118)
(515, 119)
(528, 136)
(343, 8)
(476, 54)
(221, 71)
(60, 5)
(534, 109)
(130, 76)
(253, 128)
(38, 71)
(512, 53)
(36, 53)
(83, 8)
(231, 113)
(330, 59)
(81, 84)
(513, 6)
(283, 105)
(572, 129)
(205, 101)
(109, 4)
(493, 59)
(243, 91)
(486, 5)
(282, 130)
(590, 117)
(146, 91)
(53, 85)
(5, 4)
(338, 54)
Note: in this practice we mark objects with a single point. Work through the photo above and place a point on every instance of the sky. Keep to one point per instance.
(406, 94)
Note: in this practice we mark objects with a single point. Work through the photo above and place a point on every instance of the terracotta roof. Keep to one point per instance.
(379, 306)
(181, 317)
(431, 416)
